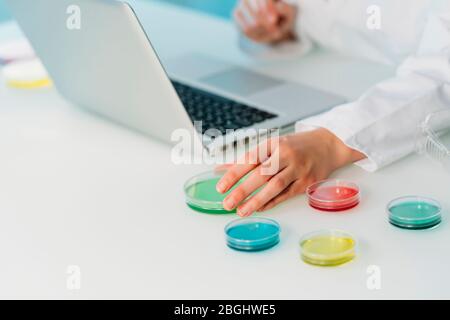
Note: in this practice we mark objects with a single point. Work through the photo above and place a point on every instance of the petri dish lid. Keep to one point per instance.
(252, 234)
(433, 139)
(26, 75)
(16, 50)
(201, 194)
(328, 247)
(414, 212)
(333, 195)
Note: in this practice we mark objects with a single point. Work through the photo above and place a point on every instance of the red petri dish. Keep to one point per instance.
(333, 195)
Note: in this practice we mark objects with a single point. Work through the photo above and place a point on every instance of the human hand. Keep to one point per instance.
(300, 159)
(266, 21)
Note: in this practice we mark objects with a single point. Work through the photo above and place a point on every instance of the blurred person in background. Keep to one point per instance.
(373, 131)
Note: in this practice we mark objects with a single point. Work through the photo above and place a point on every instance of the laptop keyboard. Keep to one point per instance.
(217, 112)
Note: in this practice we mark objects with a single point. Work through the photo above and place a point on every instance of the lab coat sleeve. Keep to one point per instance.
(383, 124)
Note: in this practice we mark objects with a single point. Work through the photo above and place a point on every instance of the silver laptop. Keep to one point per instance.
(105, 63)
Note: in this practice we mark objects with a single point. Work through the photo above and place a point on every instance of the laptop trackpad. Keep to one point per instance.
(241, 82)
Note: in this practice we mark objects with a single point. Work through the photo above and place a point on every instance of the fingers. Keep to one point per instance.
(249, 28)
(233, 176)
(250, 185)
(253, 12)
(256, 180)
(289, 14)
(271, 12)
(241, 20)
(294, 189)
(250, 161)
(247, 17)
(262, 12)
(223, 167)
(258, 19)
(276, 185)
(284, 9)
(235, 173)
(268, 16)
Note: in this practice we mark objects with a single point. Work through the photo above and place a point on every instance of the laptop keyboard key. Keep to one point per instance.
(217, 112)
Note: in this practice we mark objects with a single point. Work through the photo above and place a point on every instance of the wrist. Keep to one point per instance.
(341, 154)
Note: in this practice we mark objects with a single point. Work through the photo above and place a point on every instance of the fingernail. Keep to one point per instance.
(229, 204)
(242, 212)
(220, 187)
(245, 212)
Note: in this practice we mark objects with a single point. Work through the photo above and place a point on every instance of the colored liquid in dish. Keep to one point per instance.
(29, 74)
(328, 249)
(252, 234)
(419, 214)
(334, 193)
(29, 84)
(333, 198)
(204, 197)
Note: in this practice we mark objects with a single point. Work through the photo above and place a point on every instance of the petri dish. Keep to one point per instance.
(333, 195)
(26, 75)
(433, 139)
(16, 50)
(327, 248)
(202, 196)
(252, 234)
(414, 212)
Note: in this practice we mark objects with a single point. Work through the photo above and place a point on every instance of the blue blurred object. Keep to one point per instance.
(220, 8)
(4, 15)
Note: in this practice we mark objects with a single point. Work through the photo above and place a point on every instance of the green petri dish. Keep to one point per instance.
(414, 212)
(202, 196)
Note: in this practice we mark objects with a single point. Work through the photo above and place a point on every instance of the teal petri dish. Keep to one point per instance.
(201, 194)
(414, 212)
(252, 234)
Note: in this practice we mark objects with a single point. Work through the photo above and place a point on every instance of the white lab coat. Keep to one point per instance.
(415, 36)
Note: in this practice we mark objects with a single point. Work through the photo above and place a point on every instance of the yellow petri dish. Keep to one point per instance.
(328, 248)
(30, 84)
(26, 75)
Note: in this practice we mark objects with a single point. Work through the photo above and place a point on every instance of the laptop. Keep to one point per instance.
(105, 63)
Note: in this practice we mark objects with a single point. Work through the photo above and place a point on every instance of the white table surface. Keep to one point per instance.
(78, 190)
